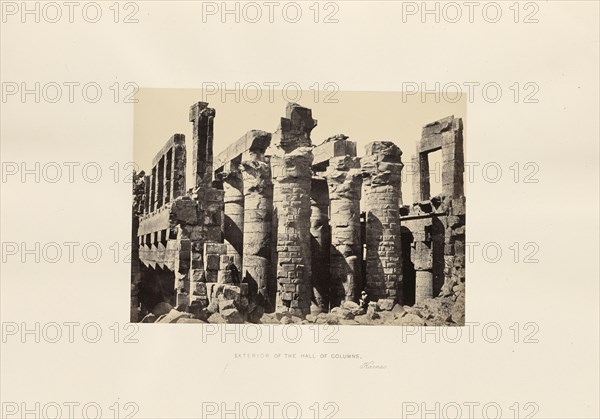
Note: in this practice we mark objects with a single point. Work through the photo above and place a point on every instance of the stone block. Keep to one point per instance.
(215, 248)
(212, 262)
(226, 304)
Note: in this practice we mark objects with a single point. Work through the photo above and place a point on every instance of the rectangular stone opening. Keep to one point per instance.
(434, 165)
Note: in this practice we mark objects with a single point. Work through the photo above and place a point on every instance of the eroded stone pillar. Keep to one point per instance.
(420, 177)
(320, 242)
(291, 197)
(202, 118)
(160, 182)
(179, 160)
(381, 167)
(453, 159)
(258, 213)
(233, 223)
(153, 190)
(344, 179)
(423, 286)
(147, 199)
(291, 159)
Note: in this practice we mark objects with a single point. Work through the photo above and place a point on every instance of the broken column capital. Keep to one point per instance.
(295, 164)
(232, 176)
(382, 163)
(256, 175)
(344, 177)
(295, 128)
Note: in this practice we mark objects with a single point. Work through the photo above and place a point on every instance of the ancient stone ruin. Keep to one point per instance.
(276, 229)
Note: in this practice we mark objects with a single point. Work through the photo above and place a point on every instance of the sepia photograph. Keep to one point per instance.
(258, 209)
(286, 227)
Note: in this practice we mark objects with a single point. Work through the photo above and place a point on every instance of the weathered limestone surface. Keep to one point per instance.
(202, 118)
(344, 179)
(210, 201)
(258, 213)
(320, 242)
(250, 147)
(291, 199)
(233, 222)
(381, 167)
(445, 134)
(291, 159)
(279, 225)
(253, 142)
(139, 188)
(437, 252)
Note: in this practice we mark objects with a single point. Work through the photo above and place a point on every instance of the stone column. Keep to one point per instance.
(160, 182)
(147, 180)
(153, 190)
(291, 197)
(183, 257)
(453, 159)
(381, 167)
(291, 159)
(320, 242)
(233, 223)
(168, 194)
(202, 118)
(423, 286)
(420, 177)
(344, 179)
(179, 163)
(258, 213)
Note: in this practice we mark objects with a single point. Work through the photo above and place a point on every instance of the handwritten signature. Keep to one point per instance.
(372, 366)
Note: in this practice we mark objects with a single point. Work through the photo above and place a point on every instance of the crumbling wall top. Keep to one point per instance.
(199, 108)
(175, 139)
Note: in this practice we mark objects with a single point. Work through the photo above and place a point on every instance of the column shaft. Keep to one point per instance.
(345, 180)
(320, 242)
(382, 168)
(258, 213)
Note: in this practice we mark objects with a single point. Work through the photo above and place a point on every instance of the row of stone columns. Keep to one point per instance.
(300, 228)
(167, 180)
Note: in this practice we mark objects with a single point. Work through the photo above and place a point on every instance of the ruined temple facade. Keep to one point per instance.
(277, 224)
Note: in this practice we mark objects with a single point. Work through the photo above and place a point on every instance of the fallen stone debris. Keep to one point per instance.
(276, 230)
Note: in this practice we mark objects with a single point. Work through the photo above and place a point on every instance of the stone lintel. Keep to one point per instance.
(337, 146)
(431, 135)
(155, 221)
(254, 140)
(175, 139)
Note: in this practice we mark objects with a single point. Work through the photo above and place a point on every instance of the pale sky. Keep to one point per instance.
(363, 116)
